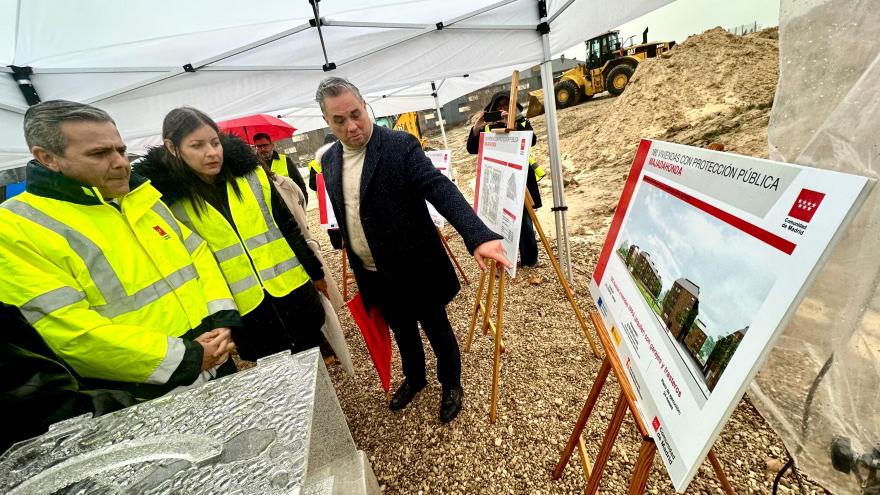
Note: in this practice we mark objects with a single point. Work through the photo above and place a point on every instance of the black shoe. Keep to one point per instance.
(450, 403)
(405, 394)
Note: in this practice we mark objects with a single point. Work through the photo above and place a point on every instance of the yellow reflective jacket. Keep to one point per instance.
(279, 165)
(256, 242)
(111, 287)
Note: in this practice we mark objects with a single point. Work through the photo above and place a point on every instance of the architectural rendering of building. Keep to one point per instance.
(642, 266)
(721, 356)
(680, 308)
(696, 340)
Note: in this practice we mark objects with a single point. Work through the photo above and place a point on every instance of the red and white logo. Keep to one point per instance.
(522, 146)
(656, 423)
(161, 232)
(806, 205)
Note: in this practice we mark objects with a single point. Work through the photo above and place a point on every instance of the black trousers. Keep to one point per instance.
(290, 322)
(404, 322)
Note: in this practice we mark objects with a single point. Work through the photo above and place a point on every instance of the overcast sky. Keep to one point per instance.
(733, 270)
(683, 18)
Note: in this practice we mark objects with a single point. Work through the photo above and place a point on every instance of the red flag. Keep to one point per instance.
(376, 335)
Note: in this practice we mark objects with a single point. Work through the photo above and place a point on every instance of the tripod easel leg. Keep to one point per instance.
(642, 469)
(719, 472)
(452, 257)
(499, 322)
(607, 444)
(478, 307)
(562, 280)
(592, 398)
(490, 292)
(344, 275)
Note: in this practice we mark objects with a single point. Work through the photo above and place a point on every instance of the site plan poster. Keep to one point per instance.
(499, 196)
(706, 258)
(442, 160)
(325, 208)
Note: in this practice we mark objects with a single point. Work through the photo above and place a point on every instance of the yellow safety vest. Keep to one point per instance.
(539, 172)
(279, 165)
(315, 165)
(109, 290)
(259, 241)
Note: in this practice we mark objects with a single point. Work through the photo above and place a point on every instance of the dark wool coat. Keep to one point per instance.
(396, 180)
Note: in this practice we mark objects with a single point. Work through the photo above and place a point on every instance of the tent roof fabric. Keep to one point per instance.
(138, 60)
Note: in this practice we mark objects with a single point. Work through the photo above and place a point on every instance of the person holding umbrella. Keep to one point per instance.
(215, 185)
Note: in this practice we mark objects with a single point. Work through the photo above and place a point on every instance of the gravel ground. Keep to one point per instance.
(548, 369)
(546, 372)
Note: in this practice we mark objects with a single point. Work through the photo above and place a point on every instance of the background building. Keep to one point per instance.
(680, 308)
(721, 356)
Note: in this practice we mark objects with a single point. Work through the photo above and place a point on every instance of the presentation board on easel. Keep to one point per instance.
(706, 258)
(325, 209)
(499, 194)
(442, 161)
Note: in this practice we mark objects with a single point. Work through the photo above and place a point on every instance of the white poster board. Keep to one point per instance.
(442, 160)
(499, 195)
(706, 258)
(325, 208)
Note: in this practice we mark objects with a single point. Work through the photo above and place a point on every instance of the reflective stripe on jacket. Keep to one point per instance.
(279, 165)
(257, 244)
(110, 289)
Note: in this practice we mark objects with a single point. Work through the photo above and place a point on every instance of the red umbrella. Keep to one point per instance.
(376, 336)
(246, 127)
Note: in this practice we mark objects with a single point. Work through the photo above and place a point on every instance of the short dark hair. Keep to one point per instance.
(261, 135)
(42, 122)
(335, 86)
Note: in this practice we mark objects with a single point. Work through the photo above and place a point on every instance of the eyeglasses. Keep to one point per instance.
(263, 146)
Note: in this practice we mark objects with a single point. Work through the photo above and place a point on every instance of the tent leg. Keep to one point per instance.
(559, 208)
(439, 115)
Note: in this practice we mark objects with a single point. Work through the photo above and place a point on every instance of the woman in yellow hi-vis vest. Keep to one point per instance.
(215, 185)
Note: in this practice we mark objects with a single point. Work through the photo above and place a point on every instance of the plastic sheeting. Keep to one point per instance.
(823, 378)
(128, 57)
(275, 428)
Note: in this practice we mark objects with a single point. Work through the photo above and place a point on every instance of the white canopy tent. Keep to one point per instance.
(139, 59)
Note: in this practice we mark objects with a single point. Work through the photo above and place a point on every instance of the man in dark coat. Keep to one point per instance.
(378, 181)
(528, 245)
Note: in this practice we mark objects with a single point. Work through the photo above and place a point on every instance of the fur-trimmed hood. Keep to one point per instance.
(237, 155)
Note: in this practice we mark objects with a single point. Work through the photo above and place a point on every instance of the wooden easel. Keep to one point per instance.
(445, 242)
(346, 278)
(625, 400)
(485, 309)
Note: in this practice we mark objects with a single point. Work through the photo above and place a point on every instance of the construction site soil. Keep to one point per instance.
(714, 87)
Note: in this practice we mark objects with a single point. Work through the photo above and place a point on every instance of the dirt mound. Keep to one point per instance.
(710, 85)
(713, 87)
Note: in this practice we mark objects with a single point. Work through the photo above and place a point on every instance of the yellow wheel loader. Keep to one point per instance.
(407, 122)
(609, 67)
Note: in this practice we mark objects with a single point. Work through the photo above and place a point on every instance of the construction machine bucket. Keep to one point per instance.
(536, 104)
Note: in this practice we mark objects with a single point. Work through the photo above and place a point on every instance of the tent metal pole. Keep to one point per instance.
(560, 210)
(439, 115)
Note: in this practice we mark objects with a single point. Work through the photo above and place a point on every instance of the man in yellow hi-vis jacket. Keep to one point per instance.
(114, 284)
